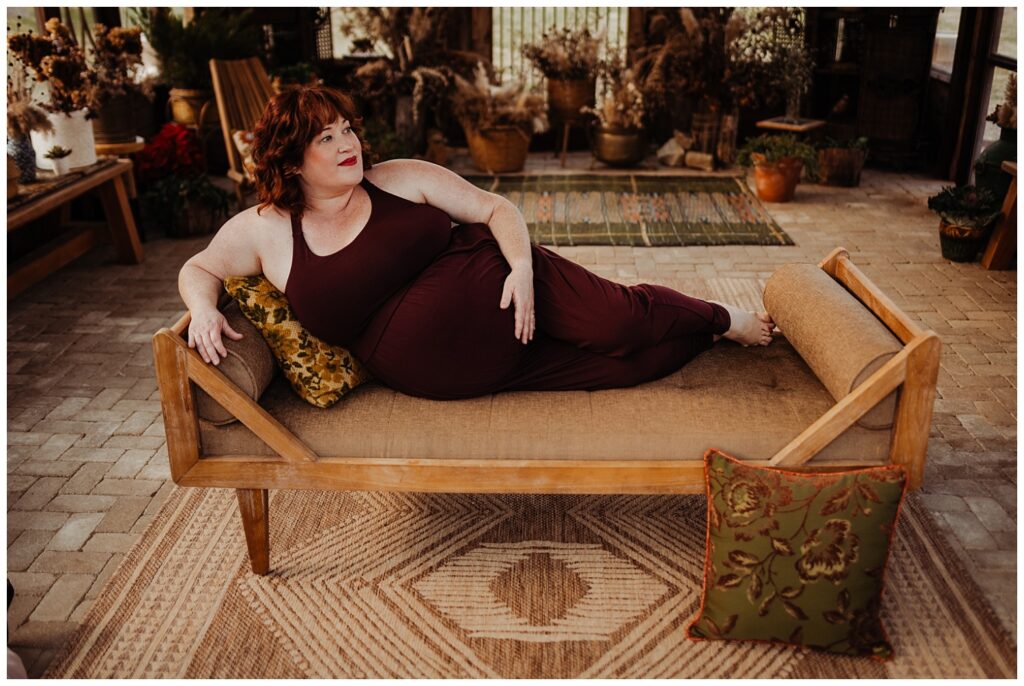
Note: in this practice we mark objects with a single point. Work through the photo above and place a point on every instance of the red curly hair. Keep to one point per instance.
(290, 122)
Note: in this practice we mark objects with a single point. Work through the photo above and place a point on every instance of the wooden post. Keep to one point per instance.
(253, 503)
(177, 402)
(914, 410)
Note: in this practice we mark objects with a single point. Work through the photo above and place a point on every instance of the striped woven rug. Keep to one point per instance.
(393, 585)
(637, 210)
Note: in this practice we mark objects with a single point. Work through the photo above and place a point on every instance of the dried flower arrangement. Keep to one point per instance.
(565, 54)
(23, 117)
(481, 104)
(768, 60)
(622, 102)
(56, 59)
(1005, 114)
(117, 59)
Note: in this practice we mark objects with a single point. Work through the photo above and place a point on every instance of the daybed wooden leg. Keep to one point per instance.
(253, 504)
(914, 412)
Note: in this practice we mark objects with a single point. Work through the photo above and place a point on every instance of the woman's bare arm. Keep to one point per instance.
(232, 252)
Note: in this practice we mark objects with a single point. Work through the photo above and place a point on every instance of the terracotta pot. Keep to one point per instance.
(776, 182)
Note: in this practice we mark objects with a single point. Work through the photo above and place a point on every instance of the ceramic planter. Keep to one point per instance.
(72, 131)
(20, 150)
(60, 165)
(776, 181)
(192, 106)
(961, 243)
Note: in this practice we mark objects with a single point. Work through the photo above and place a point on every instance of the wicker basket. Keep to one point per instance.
(961, 243)
(498, 149)
(567, 96)
(840, 166)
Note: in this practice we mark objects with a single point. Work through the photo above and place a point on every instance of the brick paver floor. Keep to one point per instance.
(87, 465)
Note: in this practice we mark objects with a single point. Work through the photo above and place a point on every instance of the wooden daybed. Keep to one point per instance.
(848, 382)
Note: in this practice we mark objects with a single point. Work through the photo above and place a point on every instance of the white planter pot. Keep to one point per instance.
(69, 131)
(61, 166)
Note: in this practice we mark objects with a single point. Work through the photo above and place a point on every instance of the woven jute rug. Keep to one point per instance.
(638, 210)
(368, 584)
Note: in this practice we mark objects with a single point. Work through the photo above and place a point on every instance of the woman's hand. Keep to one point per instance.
(519, 289)
(204, 334)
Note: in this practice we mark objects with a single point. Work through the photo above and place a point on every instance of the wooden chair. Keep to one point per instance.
(242, 90)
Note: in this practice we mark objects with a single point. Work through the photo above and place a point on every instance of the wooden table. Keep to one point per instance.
(1002, 246)
(784, 124)
(110, 183)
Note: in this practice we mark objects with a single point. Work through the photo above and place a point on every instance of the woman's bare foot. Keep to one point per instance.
(747, 328)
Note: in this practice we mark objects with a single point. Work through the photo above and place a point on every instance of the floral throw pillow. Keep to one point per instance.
(797, 557)
(243, 143)
(320, 373)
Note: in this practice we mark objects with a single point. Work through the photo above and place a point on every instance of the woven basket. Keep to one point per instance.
(961, 243)
(498, 149)
(567, 96)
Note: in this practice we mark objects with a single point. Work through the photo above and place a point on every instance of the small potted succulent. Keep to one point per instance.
(617, 134)
(966, 215)
(841, 162)
(498, 119)
(58, 157)
(778, 161)
(569, 61)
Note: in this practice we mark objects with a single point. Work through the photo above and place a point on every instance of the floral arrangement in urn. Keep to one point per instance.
(565, 53)
(622, 101)
(176, 186)
(117, 59)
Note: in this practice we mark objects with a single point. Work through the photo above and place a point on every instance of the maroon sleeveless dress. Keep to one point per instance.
(416, 299)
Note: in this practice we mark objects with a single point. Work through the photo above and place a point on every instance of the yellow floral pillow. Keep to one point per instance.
(320, 373)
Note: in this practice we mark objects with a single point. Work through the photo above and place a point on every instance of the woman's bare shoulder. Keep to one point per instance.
(402, 177)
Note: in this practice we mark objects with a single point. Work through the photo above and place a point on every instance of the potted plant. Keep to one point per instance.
(176, 189)
(58, 157)
(617, 133)
(298, 74)
(778, 161)
(498, 121)
(185, 51)
(988, 171)
(966, 215)
(121, 90)
(23, 118)
(568, 59)
(841, 162)
(55, 60)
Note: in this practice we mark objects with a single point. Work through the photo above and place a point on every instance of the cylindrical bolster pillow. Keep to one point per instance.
(839, 338)
(249, 364)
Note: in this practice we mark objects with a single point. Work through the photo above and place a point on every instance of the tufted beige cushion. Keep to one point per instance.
(249, 365)
(836, 335)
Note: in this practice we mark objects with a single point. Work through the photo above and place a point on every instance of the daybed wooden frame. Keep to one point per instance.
(178, 367)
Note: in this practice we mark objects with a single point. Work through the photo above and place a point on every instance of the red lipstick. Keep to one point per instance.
(348, 163)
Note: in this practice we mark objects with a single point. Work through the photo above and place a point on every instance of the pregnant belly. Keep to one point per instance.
(445, 335)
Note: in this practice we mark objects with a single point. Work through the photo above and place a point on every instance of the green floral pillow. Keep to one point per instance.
(797, 557)
(320, 373)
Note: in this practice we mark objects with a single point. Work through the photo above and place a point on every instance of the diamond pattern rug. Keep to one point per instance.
(637, 210)
(432, 585)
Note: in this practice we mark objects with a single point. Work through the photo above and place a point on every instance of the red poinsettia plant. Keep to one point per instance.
(171, 167)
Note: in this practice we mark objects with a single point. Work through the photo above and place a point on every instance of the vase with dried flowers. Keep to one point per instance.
(618, 136)
(569, 60)
(23, 117)
(177, 192)
(121, 89)
(498, 120)
(988, 169)
(55, 60)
